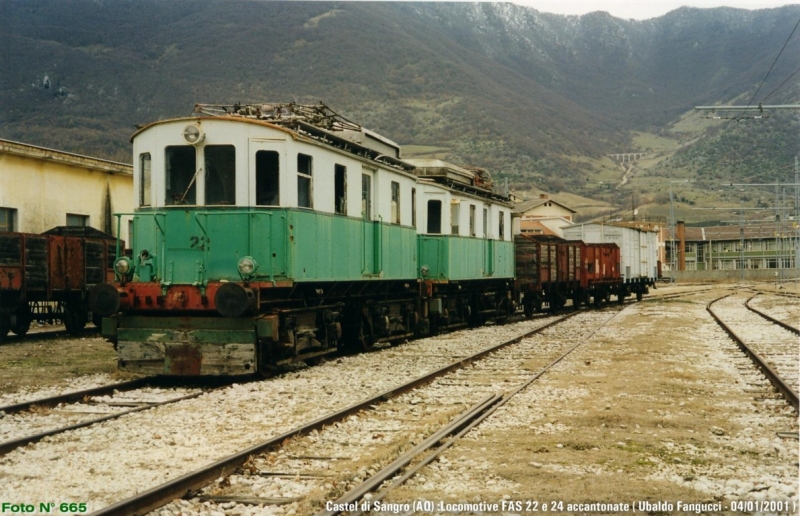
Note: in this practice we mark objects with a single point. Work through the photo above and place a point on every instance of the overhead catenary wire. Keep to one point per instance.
(781, 85)
(750, 103)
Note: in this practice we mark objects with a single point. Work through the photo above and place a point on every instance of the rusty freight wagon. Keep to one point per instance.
(551, 270)
(46, 277)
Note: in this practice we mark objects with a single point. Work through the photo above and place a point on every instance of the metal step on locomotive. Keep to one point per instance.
(272, 233)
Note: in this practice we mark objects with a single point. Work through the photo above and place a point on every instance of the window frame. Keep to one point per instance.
(395, 202)
(190, 198)
(8, 221)
(438, 219)
(339, 189)
(145, 180)
(305, 178)
(366, 196)
(230, 201)
(84, 219)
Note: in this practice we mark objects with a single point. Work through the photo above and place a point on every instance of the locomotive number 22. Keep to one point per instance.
(199, 242)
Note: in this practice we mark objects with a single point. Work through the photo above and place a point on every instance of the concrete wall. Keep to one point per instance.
(733, 275)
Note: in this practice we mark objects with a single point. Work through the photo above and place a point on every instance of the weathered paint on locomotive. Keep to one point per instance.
(459, 258)
(335, 249)
(195, 245)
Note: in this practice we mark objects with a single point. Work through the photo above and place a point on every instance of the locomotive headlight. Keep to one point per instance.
(193, 135)
(247, 266)
(123, 267)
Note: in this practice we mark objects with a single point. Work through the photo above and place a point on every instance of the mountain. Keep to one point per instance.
(537, 98)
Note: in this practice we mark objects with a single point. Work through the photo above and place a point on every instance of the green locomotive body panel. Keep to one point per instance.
(194, 246)
(458, 258)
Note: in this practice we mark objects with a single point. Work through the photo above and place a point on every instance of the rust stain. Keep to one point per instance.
(183, 360)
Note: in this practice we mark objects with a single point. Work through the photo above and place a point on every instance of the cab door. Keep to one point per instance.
(269, 185)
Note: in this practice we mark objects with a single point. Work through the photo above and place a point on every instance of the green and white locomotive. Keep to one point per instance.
(266, 234)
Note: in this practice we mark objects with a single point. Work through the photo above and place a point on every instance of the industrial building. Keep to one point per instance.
(42, 188)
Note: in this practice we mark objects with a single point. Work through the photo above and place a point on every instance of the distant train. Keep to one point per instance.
(266, 234)
(46, 277)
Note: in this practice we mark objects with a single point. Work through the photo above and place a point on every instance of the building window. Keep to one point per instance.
(472, 220)
(8, 219)
(304, 191)
(340, 189)
(181, 168)
(268, 178)
(455, 212)
(395, 202)
(77, 220)
(220, 174)
(414, 207)
(145, 174)
(366, 196)
(435, 217)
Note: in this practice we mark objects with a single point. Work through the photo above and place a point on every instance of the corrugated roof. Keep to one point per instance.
(751, 231)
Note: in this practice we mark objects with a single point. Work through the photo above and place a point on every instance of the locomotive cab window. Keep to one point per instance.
(267, 178)
(220, 174)
(145, 175)
(304, 199)
(502, 227)
(340, 189)
(181, 167)
(435, 217)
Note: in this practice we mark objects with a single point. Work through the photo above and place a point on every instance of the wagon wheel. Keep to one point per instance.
(638, 295)
(527, 305)
(5, 323)
(23, 320)
(75, 318)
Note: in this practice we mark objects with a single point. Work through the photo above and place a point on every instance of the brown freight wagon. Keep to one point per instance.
(551, 270)
(547, 271)
(47, 277)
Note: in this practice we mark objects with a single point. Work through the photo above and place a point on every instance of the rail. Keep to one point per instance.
(772, 376)
(158, 496)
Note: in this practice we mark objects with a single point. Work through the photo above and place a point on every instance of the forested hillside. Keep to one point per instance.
(537, 98)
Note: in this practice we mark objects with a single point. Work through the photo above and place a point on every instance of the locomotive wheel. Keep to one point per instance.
(23, 320)
(364, 337)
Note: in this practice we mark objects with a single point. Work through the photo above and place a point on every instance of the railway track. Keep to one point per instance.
(772, 348)
(31, 421)
(784, 312)
(313, 466)
(140, 450)
(448, 354)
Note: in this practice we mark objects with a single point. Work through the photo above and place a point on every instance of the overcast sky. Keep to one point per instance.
(640, 9)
